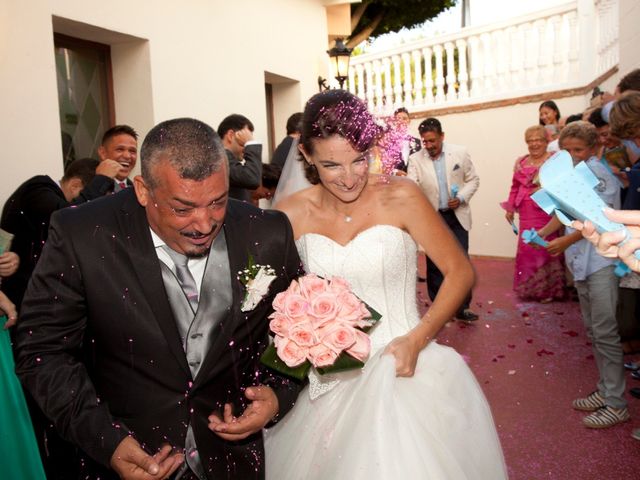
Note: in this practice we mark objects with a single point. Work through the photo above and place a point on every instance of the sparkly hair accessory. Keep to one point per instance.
(349, 119)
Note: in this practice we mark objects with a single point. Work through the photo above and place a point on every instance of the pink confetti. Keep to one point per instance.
(571, 333)
(544, 352)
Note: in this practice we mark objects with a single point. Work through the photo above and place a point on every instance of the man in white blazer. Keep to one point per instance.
(446, 175)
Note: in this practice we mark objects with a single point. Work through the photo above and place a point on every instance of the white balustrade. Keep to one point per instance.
(397, 82)
(564, 47)
(417, 85)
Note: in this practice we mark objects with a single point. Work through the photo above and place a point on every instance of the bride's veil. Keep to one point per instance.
(292, 177)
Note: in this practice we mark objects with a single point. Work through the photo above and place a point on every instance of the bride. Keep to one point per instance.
(415, 411)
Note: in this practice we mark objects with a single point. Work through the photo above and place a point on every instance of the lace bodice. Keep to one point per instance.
(380, 265)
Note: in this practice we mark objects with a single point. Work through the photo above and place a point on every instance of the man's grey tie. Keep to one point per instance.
(185, 278)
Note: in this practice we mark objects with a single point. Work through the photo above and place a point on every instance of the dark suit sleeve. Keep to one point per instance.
(98, 187)
(247, 174)
(43, 200)
(49, 348)
(286, 390)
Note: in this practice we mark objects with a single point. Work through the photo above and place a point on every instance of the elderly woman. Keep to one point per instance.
(538, 275)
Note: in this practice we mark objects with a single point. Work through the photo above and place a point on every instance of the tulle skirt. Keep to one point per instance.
(374, 425)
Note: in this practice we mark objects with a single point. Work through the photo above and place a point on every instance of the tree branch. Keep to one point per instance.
(357, 14)
(361, 36)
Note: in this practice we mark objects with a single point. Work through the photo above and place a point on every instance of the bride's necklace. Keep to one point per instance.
(345, 216)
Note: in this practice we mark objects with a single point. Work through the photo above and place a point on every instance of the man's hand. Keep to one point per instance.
(453, 203)
(108, 168)
(243, 136)
(263, 407)
(9, 309)
(130, 461)
(9, 262)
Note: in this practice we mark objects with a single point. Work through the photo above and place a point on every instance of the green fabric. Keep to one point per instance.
(18, 448)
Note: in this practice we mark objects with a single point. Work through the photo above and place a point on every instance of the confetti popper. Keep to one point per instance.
(514, 227)
(454, 190)
(531, 236)
(568, 192)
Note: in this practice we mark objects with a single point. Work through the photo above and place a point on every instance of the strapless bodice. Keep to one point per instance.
(380, 265)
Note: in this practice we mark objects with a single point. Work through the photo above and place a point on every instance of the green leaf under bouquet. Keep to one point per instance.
(310, 293)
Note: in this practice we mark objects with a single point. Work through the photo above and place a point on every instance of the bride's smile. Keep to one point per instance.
(343, 170)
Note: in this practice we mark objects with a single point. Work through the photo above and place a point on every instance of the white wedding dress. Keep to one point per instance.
(370, 424)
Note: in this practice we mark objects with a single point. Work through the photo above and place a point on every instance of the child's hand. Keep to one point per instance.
(557, 246)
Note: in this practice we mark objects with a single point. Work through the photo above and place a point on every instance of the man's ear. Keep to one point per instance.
(71, 188)
(102, 152)
(143, 193)
(228, 136)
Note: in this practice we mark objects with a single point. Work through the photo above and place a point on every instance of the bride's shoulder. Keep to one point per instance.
(390, 188)
(295, 205)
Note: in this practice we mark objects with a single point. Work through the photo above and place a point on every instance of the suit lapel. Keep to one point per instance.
(238, 255)
(133, 222)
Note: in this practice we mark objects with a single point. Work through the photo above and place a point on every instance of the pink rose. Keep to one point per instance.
(338, 336)
(352, 309)
(339, 284)
(295, 306)
(323, 308)
(303, 334)
(322, 356)
(289, 352)
(278, 302)
(279, 324)
(312, 285)
(360, 350)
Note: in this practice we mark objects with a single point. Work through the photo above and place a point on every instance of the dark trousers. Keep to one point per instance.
(434, 276)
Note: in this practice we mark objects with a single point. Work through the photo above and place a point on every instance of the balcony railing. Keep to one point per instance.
(565, 47)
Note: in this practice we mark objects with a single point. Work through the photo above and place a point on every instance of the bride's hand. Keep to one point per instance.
(406, 350)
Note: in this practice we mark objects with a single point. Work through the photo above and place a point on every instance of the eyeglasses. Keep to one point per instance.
(188, 211)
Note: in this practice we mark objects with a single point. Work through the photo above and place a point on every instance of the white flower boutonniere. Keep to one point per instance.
(256, 279)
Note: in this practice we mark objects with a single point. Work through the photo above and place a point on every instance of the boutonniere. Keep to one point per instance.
(256, 278)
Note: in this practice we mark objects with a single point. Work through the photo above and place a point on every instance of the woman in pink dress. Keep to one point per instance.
(538, 275)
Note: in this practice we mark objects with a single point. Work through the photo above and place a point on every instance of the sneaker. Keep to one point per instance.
(590, 403)
(467, 316)
(606, 417)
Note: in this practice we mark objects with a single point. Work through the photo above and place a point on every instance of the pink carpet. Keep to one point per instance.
(532, 360)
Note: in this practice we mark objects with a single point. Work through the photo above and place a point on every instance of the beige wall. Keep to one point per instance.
(495, 138)
(202, 58)
(629, 35)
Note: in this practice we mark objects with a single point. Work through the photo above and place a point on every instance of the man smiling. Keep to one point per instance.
(148, 363)
(120, 143)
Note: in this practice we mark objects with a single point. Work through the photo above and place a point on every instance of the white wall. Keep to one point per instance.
(28, 95)
(629, 35)
(202, 58)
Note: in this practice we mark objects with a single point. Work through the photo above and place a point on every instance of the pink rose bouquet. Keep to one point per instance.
(319, 322)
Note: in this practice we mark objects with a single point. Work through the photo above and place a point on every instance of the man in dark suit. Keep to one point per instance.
(244, 155)
(294, 129)
(150, 364)
(120, 143)
(27, 212)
